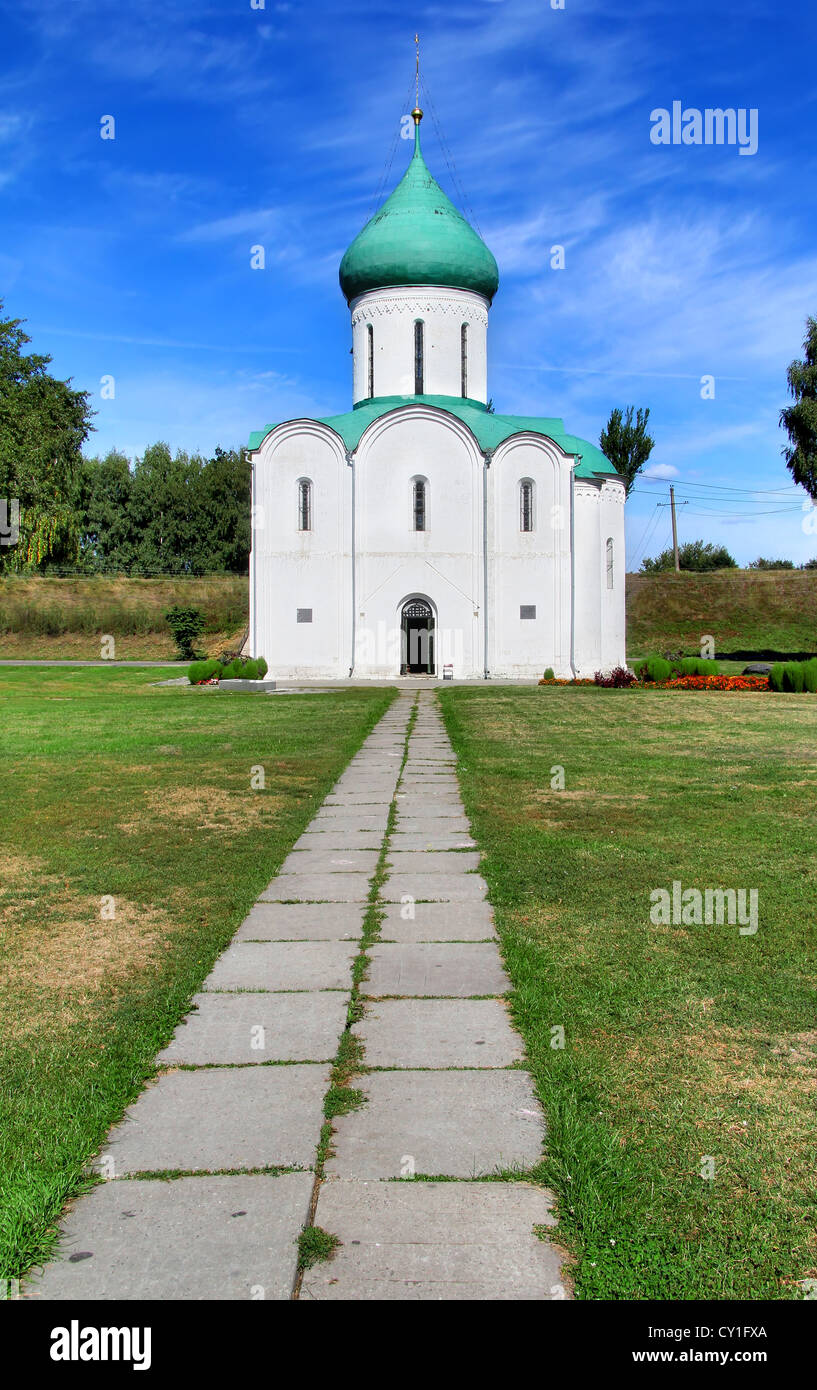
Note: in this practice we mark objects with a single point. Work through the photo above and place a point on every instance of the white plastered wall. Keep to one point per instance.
(392, 314)
(530, 569)
(600, 612)
(292, 569)
(613, 607)
(441, 564)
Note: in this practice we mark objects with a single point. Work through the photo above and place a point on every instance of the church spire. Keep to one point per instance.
(417, 114)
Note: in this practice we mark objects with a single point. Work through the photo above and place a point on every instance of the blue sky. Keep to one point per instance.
(238, 126)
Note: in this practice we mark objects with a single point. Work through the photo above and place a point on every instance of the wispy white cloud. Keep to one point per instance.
(660, 470)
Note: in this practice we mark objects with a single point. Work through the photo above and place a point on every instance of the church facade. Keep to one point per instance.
(421, 532)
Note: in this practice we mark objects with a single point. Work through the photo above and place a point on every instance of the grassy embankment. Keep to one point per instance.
(115, 792)
(66, 618)
(743, 610)
(683, 1043)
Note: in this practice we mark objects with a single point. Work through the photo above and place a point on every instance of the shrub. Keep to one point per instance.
(204, 671)
(762, 564)
(694, 555)
(186, 624)
(617, 679)
(793, 677)
(776, 676)
(249, 671)
(262, 667)
(549, 676)
(655, 668)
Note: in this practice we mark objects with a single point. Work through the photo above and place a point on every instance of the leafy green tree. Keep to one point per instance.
(762, 564)
(108, 538)
(43, 425)
(693, 555)
(167, 515)
(800, 420)
(625, 442)
(165, 511)
(223, 510)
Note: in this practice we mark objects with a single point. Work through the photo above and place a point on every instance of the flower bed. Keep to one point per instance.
(562, 681)
(681, 683)
(715, 683)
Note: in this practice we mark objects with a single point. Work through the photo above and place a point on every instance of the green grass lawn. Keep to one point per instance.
(113, 789)
(682, 1043)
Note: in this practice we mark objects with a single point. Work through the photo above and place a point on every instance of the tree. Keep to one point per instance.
(694, 555)
(108, 536)
(43, 425)
(165, 511)
(800, 420)
(625, 442)
(223, 509)
(763, 564)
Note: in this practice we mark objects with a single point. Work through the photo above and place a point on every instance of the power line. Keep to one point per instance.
(730, 506)
(646, 528)
(746, 516)
(381, 187)
(449, 158)
(715, 487)
(647, 538)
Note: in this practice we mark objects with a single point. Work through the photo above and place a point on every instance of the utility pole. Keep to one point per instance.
(674, 529)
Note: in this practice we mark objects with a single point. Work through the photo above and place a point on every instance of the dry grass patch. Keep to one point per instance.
(59, 952)
(205, 808)
(736, 1082)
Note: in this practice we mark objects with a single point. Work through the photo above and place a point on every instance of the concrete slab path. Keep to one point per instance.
(220, 1164)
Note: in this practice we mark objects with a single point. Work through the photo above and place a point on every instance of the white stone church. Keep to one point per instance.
(421, 532)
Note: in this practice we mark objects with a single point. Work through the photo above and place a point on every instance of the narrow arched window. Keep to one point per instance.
(419, 504)
(526, 518)
(419, 363)
(464, 358)
(304, 505)
(610, 562)
(370, 351)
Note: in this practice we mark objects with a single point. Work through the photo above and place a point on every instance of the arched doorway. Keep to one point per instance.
(417, 638)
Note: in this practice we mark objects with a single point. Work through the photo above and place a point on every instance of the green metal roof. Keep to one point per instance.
(488, 429)
(418, 238)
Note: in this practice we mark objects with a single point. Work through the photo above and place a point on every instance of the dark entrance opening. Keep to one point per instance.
(417, 646)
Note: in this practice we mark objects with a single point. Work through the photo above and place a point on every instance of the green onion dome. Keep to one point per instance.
(418, 238)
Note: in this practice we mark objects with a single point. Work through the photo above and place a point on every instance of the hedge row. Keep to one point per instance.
(794, 676)
(252, 669)
(659, 669)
